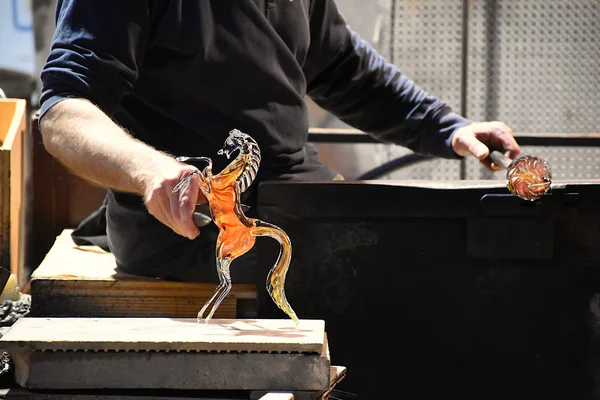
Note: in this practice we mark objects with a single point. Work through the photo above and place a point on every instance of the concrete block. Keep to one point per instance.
(172, 370)
(165, 353)
(337, 374)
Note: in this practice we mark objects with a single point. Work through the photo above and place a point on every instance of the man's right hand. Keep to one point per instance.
(175, 209)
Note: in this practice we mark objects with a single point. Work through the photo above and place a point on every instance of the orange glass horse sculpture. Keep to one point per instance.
(237, 233)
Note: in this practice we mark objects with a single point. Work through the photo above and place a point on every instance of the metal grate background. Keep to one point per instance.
(534, 64)
(427, 45)
(425, 42)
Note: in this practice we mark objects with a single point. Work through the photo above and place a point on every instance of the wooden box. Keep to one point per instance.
(82, 281)
(12, 132)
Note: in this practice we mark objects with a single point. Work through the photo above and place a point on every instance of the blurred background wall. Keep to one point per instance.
(17, 51)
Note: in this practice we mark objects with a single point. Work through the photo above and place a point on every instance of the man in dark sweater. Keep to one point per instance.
(130, 84)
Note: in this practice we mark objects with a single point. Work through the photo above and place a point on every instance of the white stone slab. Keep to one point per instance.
(165, 334)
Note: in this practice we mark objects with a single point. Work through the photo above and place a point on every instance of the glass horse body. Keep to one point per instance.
(237, 233)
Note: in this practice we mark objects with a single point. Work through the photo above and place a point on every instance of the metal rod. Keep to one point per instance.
(500, 159)
(464, 74)
(333, 135)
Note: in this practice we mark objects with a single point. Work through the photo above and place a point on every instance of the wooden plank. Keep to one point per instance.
(5, 211)
(83, 281)
(165, 334)
(67, 261)
(12, 112)
(336, 375)
(12, 132)
(171, 304)
(278, 396)
(24, 394)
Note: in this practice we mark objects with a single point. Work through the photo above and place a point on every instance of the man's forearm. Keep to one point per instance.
(89, 143)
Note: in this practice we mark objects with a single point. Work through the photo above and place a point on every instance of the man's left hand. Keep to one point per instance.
(476, 139)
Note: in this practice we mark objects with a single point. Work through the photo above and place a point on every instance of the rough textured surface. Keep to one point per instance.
(336, 375)
(12, 310)
(155, 370)
(165, 334)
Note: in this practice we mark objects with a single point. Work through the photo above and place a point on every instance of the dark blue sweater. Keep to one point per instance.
(180, 74)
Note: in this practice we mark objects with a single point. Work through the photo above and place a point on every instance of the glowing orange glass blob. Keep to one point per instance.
(237, 233)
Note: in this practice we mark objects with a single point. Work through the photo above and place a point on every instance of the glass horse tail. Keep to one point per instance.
(237, 233)
(276, 277)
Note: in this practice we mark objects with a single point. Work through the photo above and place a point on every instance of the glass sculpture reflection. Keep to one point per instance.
(529, 177)
(237, 233)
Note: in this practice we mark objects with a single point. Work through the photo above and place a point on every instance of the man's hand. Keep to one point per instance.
(476, 138)
(175, 209)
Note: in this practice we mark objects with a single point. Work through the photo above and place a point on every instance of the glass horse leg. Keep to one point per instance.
(221, 291)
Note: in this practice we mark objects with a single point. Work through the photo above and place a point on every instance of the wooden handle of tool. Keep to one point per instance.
(500, 159)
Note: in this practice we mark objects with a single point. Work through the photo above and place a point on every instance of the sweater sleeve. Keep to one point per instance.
(348, 78)
(95, 52)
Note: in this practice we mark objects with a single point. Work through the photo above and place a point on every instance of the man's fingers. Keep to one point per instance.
(175, 208)
(490, 165)
(166, 206)
(476, 148)
(501, 137)
(185, 205)
(467, 143)
(177, 203)
(510, 146)
(479, 138)
(158, 207)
